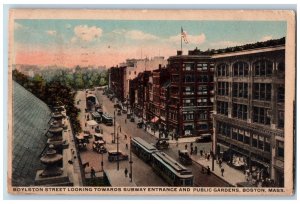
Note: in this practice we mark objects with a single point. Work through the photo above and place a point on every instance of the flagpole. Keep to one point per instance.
(181, 39)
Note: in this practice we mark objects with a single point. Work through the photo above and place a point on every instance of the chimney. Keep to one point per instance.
(179, 52)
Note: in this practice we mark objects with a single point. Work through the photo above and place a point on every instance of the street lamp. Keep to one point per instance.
(130, 161)
(113, 140)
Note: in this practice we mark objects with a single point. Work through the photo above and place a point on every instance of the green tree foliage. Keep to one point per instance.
(52, 92)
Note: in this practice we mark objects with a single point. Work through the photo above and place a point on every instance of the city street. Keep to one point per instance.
(142, 173)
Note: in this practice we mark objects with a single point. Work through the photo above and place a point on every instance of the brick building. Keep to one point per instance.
(249, 109)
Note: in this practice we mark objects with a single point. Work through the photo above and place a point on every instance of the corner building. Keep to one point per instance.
(191, 92)
(249, 110)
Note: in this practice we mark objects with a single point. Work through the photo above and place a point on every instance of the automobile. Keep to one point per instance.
(99, 137)
(114, 155)
(139, 124)
(184, 157)
(203, 138)
(162, 143)
(98, 146)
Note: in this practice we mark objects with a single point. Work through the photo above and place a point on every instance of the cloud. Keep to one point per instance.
(266, 38)
(51, 32)
(140, 35)
(192, 39)
(87, 33)
(135, 34)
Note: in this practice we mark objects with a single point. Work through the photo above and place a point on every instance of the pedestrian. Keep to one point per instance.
(222, 171)
(203, 170)
(201, 152)
(220, 163)
(125, 120)
(192, 149)
(185, 146)
(126, 172)
(208, 170)
(85, 124)
(191, 144)
(196, 150)
(208, 156)
(126, 146)
(125, 137)
(93, 173)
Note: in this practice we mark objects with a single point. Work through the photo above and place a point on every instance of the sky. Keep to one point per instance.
(109, 42)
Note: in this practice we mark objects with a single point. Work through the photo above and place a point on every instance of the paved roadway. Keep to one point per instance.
(140, 169)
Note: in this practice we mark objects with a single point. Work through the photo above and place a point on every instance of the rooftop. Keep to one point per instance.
(30, 123)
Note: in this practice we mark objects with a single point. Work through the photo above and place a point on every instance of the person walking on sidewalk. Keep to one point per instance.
(126, 146)
(185, 146)
(222, 171)
(208, 170)
(125, 137)
(196, 150)
(201, 152)
(192, 149)
(126, 172)
(93, 173)
(125, 120)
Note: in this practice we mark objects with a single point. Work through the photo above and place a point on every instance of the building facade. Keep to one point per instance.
(117, 79)
(249, 110)
(191, 93)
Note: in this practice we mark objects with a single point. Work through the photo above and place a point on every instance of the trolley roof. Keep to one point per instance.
(144, 144)
(173, 165)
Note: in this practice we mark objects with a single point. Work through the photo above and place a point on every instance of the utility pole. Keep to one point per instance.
(114, 127)
(118, 151)
(130, 162)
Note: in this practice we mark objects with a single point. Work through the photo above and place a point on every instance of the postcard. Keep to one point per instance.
(151, 102)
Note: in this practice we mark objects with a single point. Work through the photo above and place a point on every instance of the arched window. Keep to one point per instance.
(222, 70)
(263, 68)
(240, 69)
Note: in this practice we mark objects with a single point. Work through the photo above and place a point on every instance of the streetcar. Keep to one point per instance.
(142, 149)
(96, 116)
(107, 120)
(169, 169)
(173, 172)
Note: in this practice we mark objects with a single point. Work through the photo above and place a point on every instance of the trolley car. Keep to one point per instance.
(165, 166)
(173, 172)
(142, 149)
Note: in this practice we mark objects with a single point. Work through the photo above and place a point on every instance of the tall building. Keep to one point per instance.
(117, 76)
(191, 93)
(249, 109)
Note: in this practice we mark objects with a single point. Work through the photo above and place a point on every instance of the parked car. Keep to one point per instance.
(114, 155)
(204, 138)
(99, 137)
(98, 146)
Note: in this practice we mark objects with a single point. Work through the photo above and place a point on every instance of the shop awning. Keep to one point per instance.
(154, 120)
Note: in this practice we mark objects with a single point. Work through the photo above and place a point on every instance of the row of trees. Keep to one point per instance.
(51, 92)
(80, 78)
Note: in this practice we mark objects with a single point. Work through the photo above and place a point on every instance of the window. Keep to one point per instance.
(267, 145)
(188, 102)
(260, 115)
(240, 69)
(188, 66)
(223, 129)
(261, 142)
(222, 70)
(280, 94)
(247, 137)
(202, 90)
(202, 78)
(202, 66)
(280, 119)
(201, 102)
(281, 69)
(241, 135)
(263, 68)
(239, 111)
(262, 91)
(202, 115)
(223, 88)
(189, 78)
(240, 90)
(222, 108)
(280, 148)
(234, 133)
(254, 140)
(188, 116)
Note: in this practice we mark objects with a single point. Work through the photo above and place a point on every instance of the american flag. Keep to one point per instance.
(184, 36)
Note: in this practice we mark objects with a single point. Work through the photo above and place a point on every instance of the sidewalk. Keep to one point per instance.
(231, 175)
